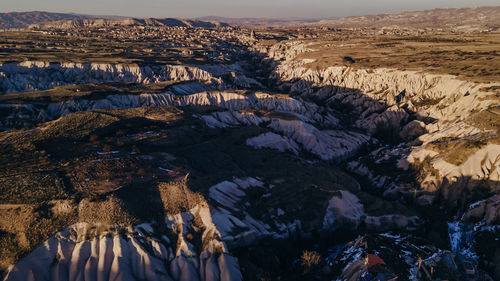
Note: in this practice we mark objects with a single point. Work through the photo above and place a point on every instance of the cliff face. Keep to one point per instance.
(439, 144)
(413, 109)
(408, 107)
(95, 252)
(31, 75)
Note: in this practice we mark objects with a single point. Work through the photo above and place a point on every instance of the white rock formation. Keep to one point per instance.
(482, 167)
(326, 144)
(83, 252)
(260, 101)
(346, 211)
(36, 75)
(274, 141)
(381, 96)
(231, 214)
(386, 101)
(38, 113)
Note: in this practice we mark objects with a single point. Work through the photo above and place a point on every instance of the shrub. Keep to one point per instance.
(177, 197)
(349, 60)
(310, 259)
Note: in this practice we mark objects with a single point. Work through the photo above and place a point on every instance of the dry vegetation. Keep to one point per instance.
(126, 166)
(177, 197)
(85, 92)
(457, 151)
(310, 259)
(119, 45)
(472, 57)
(488, 119)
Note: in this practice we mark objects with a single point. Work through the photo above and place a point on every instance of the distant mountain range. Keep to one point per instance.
(478, 17)
(46, 19)
(24, 19)
(456, 18)
(97, 22)
(260, 22)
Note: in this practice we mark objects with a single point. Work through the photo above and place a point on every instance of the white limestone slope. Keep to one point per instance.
(416, 107)
(326, 144)
(231, 213)
(260, 101)
(483, 167)
(37, 75)
(181, 95)
(293, 134)
(83, 252)
(383, 95)
(346, 211)
(274, 141)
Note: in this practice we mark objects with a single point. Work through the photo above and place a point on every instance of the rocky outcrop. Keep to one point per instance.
(412, 130)
(36, 75)
(231, 213)
(481, 168)
(487, 210)
(353, 261)
(345, 211)
(436, 177)
(326, 144)
(335, 145)
(274, 141)
(285, 51)
(87, 252)
(261, 101)
(180, 95)
(383, 97)
(18, 115)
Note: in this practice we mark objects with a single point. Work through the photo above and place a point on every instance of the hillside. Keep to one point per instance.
(96, 22)
(478, 18)
(24, 19)
(460, 19)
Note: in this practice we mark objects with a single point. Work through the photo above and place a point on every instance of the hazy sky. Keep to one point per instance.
(235, 8)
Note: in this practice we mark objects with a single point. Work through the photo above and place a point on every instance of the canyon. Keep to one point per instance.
(234, 163)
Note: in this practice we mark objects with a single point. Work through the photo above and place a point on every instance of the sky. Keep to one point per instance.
(235, 8)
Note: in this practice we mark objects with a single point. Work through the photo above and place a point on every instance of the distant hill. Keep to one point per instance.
(96, 22)
(451, 18)
(24, 19)
(262, 22)
(479, 18)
